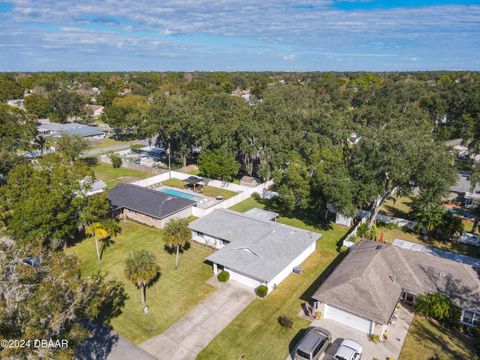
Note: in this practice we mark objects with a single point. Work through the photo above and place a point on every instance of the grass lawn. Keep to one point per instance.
(112, 176)
(174, 294)
(107, 142)
(427, 337)
(205, 190)
(398, 233)
(400, 207)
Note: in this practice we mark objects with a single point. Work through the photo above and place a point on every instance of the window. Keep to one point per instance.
(319, 347)
(303, 354)
(470, 318)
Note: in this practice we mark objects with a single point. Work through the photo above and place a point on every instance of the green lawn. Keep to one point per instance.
(112, 176)
(107, 142)
(247, 204)
(174, 294)
(205, 190)
(397, 233)
(255, 333)
(397, 207)
(428, 338)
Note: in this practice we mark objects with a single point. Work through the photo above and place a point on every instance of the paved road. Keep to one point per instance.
(103, 150)
(104, 344)
(191, 334)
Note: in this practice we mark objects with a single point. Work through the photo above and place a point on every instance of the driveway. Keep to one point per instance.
(105, 344)
(188, 336)
(391, 347)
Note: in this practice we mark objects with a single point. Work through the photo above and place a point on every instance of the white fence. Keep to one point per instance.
(388, 219)
(244, 191)
(346, 241)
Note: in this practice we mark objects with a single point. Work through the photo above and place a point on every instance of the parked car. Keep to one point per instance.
(313, 344)
(348, 350)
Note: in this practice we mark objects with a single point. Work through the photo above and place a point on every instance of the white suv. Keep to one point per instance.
(348, 350)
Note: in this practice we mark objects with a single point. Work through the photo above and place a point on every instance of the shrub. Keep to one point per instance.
(224, 276)
(375, 338)
(437, 306)
(285, 321)
(261, 291)
(116, 160)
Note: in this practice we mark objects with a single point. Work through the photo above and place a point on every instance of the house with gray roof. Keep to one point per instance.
(365, 288)
(253, 249)
(463, 188)
(72, 129)
(147, 206)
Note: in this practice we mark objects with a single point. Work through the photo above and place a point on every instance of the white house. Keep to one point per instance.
(253, 249)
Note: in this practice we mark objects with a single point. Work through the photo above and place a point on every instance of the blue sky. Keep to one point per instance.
(251, 35)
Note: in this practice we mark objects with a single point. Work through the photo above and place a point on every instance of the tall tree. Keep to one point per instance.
(176, 234)
(63, 104)
(141, 269)
(218, 164)
(71, 146)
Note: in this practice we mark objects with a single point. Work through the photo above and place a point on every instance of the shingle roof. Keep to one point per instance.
(261, 214)
(369, 281)
(463, 184)
(147, 201)
(363, 284)
(71, 129)
(259, 249)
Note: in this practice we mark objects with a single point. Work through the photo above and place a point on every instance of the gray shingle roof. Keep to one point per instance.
(261, 214)
(463, 184)
(147, 201)
(71, 129)
(259, 249)
(369, 281)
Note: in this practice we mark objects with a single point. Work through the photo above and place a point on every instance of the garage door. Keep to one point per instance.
(347, 318)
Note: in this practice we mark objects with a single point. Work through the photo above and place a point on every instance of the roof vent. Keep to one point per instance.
(379, 247)
(392, 277)
(442, 274)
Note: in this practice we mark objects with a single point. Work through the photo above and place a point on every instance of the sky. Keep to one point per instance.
(234, 35)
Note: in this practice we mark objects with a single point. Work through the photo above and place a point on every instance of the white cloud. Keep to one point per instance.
(289, 57)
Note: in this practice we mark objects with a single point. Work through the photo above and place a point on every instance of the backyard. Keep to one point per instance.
(255, 333)
(108, 142)
(112, 176)
(429, 338)
(174, 294)
(210, 191)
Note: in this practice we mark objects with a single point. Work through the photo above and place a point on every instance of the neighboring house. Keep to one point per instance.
(73, 129)
(18, 103)
(147, 206)
(365, 288)
(253, 250)
(463, 188)
(94, 110)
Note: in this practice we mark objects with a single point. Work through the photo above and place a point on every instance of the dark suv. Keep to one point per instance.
(313, 344)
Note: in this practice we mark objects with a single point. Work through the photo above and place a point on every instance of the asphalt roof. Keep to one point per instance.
(258, 248)
(71, 129)
(261, 214)
(147, 201)
(463, 184)
(369, 281)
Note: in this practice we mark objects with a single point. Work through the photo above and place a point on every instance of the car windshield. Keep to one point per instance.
(303, 354)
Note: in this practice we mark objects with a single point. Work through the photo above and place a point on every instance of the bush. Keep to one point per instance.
(224, 276)
(285, 321)
(375, 338)
(116, 161)
(439, 307)
(261, 291)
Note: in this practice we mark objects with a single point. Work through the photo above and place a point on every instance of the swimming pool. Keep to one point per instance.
(463, 213)
(181, 194)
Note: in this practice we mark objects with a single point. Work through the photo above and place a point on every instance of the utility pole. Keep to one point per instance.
(169, 169)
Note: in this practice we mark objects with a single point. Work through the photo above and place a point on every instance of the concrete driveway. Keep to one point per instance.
(191, 334)
(391, 347)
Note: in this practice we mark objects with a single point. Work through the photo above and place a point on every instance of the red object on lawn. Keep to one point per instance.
(382, 237)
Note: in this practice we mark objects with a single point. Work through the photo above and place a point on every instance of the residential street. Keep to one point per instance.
(106, 149)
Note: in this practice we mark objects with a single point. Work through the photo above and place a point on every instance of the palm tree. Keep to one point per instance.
(176, 233)
(98, 231)
(141, 268)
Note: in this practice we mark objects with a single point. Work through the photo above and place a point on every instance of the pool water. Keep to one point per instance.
(181, 194)
(461, 212)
